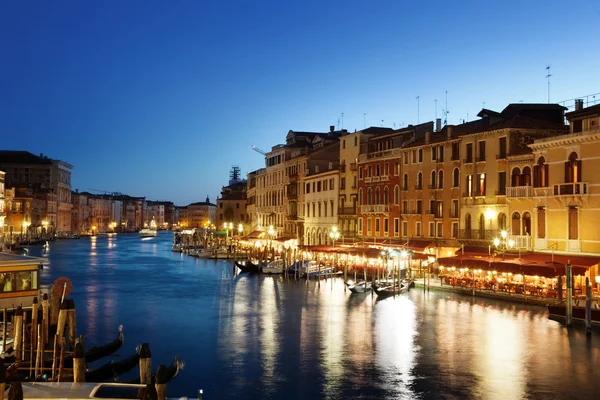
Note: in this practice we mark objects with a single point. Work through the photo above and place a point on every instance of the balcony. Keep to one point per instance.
(519, 191)
(433, 187)
(380, 154)
(480, 159)
(375, 179)
(368, 179)
(501, 156)
(347, 211)
(570, 189)
(455, 157)
(292, 217)
(478, 234)
(385, 178)
(292, 196)
(343, 168)
(521, 241)
(375, 209)
(435, 213)
(454, 214)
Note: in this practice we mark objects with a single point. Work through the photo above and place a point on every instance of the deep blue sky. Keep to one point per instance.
(160, 99)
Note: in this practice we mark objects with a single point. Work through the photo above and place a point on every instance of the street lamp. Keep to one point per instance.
(334, 234)
(240, 229)
(503, 245)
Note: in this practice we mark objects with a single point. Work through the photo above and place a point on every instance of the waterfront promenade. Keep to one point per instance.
(255, 336)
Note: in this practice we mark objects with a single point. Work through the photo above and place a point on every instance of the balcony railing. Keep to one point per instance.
(375, 208)
(292, 196)
(468, 160)
(455, 157)
(566, 189)
(368, 179)
(380, 154)
(478, 234)
(519, 191)
(385, 178)
(347, 211)
(435, 213)
(500, 156)
(521, 241)
(375, 179)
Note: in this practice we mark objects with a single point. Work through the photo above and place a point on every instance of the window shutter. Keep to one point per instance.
(578, 170)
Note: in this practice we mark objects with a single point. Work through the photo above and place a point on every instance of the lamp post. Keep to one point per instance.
(334, 234)
(45, 225)
(271, 233)
(503, 245)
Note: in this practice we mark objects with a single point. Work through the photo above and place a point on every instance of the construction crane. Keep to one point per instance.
(256, 149)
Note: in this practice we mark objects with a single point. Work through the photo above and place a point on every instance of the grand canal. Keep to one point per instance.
(262, 337)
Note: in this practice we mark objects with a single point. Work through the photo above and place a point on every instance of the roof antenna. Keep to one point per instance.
(548, 75)
(418, 109)
(342, 121)
(446, 112)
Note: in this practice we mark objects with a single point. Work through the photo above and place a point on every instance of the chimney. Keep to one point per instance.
(331, 128)
(427, 137)
(449, 131)
(578, 104)
(438, 124)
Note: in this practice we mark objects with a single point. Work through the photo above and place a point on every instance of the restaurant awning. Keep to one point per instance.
(254, 235)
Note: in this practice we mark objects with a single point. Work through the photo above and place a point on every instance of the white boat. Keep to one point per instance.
(83, 391)
(312, 268)
(360, 287)
(221, 254)
(274, 267)
(148, 233)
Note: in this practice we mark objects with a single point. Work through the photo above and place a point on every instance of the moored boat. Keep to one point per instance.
(360, 287)
(248, 266)
(312, 268)
(83, 390)
(274, 267)
(392, 289)
(559, 310)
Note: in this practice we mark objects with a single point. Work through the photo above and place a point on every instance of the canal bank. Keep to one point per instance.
(265, 337)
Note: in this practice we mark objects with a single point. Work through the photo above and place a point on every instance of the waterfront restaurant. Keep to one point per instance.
(532, 274)
(19, 280)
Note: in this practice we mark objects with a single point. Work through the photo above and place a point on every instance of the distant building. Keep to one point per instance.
(198, 215)
(231, 207)
(27, 170)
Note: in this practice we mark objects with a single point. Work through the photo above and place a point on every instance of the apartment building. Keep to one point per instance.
(320, 205)
(270, 210)
(39, 173)
(231, 206)
(251, 199)
(496, 160)
(350, 146)
(562, 196)
(199, 215)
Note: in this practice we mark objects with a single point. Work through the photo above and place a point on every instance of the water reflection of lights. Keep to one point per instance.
(269, 339)
(333, 318)
(395, 333)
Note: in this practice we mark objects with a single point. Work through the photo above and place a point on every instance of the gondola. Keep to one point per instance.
(170, 372)
(390, 290)
(247, 266)
(111, 370)
(360, 287)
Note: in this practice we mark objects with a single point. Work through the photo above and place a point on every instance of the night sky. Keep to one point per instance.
(161, 98)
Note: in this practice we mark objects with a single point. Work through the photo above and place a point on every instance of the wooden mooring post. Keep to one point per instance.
(161, 382)
(45, 318)
(18, 332)
(145, 364)
(78, 363)
(71, 322)
(16, 391)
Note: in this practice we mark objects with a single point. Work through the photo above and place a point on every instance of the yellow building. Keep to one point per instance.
(496, 171)
(565, 202)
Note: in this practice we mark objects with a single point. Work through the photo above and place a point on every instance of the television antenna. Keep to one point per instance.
(548, 75)
(446, 112)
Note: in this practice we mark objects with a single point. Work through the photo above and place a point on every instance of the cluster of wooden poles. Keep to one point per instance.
(61, 315)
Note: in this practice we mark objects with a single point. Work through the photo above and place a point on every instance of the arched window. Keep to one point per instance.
(456, 177)
(526, 224)
(433, 180)
(468, 226)
(369, 196)
(573, 169)
(419, 181)
(540, 173)
(405, 182)
(481, 226)
(397, 195)
(502, 221)
(386, 196)
(361, 201)
(377, 198)
(516, 223)
(441, 179)
(515, 177)
(526, 177)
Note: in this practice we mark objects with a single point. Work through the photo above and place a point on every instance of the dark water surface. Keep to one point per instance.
(250, 336)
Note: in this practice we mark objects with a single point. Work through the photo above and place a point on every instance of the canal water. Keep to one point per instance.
(253, 336)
